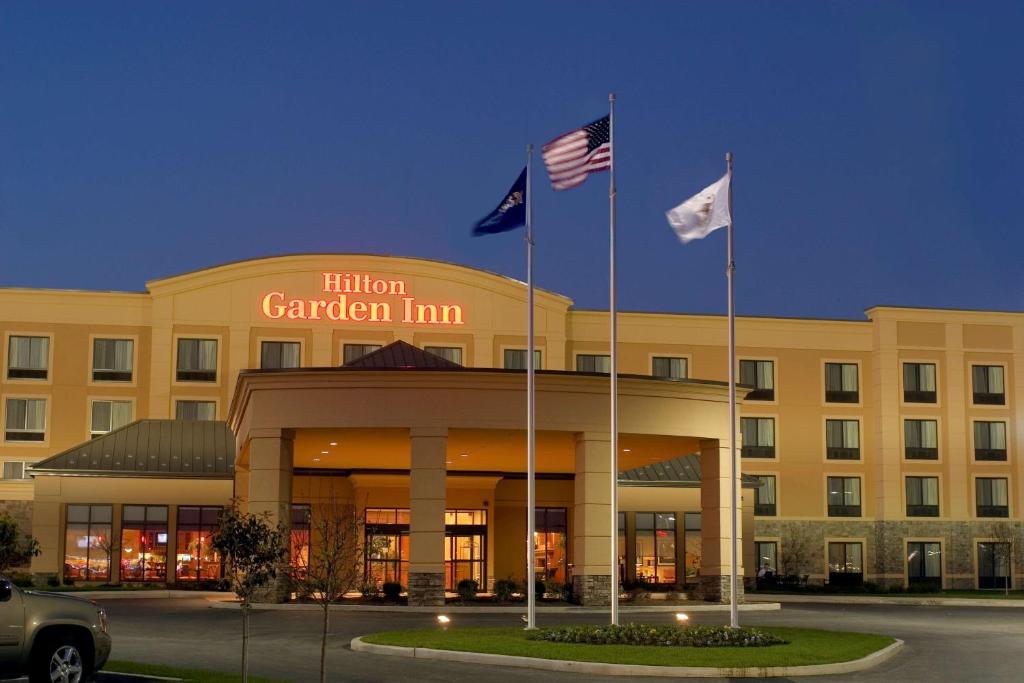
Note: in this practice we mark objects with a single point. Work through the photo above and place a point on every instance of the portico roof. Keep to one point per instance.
(683, 471)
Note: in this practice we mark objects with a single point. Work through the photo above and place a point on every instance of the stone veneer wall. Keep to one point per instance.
(592, 589)
(426, 589)
(885, 545)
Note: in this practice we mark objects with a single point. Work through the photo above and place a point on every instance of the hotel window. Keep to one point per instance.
(767, 554)
(28, 357)
(197, 360)
(924, 565)
(990, 441)
(87, 543)
(919, 383)
(758, 437)
(841, 383)
(842, 439)
(109, 415)
(759, 374)
(197, 559)
(992, 498)
(26, 419)
(351, 352)
(112, 360)
(669, 368)
(692, 544)
(195, 410)
(656, 547)
(300, 537)
(144, 543)
(921, 439)
(764, 495)
(994, 565)
(450, 353)
(845, 564)
(550, 541)
(988, 385)
(387, 546)
(589, 362)
(844, 496)
(515, 359)
(278, 355)
(922, 496)
(16, 471)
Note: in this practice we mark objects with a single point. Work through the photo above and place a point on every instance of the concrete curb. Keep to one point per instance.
(602, 669)
(499, 609)
(148, 595)
(884, 600)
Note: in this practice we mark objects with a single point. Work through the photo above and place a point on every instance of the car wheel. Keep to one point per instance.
(59, 660)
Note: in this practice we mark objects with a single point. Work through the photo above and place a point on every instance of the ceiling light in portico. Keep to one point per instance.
(334, 443)
(463, 455)
(316, 459)
(323, 452)
(627, 450)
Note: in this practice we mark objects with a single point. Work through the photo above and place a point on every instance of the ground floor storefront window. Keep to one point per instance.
(300, 536)
(656, 547)
(693, 544)
(845, 564)
(924, 565)
(766, 555)
(465, 548)
(550, 540)
(144, 543)
(87, 543)
(994, 565)
(195, 557)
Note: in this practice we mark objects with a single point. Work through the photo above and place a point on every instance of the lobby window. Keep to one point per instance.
(990, 441)
(16, 470)
(759, 374)
(112, 360)
(669, 368)
(656, 547)
(921, 439)
(451, 353)
(515, 359)
(693, 544)
(387, 546)
(844, 496)
(195, 410)
(987, 381)
(108, 416)
(197, 360)
(550, 542)
(300, 537)
(845, 564)
(465, 546)
(994, 565)
(842, 439)
(764, 495)
(144, 543)
(26, 419)
(992, 498)
(87, 543)
(919, 383)
(589, 362)
(766, 554)
(841, 384)
(924, 565)
(922, 496)
(351, 352)
(279, 355)
(197, 559)
(28, 357)
(758, 437)
(621, 547)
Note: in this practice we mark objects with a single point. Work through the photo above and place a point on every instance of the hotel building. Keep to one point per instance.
(881, 450)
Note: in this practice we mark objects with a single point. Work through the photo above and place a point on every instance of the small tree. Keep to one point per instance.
(16, 548)
(335, 563)
(1005, 538)
(798, 546)
(253, 549)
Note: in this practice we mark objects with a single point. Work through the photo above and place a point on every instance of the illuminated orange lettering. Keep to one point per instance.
(296, 309)
(332, 282)
(380, 312)
(357, 311)
(314, 308)
(273, 311)
(451, 314)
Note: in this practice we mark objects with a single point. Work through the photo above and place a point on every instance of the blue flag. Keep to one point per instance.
(511, 212)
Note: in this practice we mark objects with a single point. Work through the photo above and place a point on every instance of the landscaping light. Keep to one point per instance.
(443, 621)
(682, 618)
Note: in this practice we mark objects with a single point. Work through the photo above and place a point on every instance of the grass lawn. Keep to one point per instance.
(973, 594)
(185, 674)
(806, 646)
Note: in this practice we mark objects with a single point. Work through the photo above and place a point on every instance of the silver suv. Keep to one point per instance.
(50, 637)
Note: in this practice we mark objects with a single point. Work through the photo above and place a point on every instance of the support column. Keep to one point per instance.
(427, 479)
(716, 521)
(592, 527)
(270, 485)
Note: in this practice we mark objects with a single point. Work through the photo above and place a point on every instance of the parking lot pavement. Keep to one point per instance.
(942, 643)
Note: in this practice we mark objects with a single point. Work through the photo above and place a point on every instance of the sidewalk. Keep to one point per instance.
(504, 609)
(823, 599)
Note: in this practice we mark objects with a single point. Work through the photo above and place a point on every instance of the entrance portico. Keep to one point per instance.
(431, 441)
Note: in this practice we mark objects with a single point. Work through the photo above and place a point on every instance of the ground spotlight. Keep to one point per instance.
(682, 618)
(443, 621)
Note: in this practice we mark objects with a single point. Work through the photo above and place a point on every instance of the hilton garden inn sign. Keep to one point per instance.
(360, 298)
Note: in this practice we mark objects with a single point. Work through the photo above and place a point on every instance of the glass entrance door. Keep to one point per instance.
(464, 559)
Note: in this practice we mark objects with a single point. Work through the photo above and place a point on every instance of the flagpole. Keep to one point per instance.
(734, 615)
(613, 370)
(531, 426)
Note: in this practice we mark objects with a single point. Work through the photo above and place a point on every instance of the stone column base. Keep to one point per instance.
(426, 589)
(592, 589)
(716, 589)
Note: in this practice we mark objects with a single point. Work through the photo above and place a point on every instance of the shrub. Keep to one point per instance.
(467, 589)
(368, 591)
(503, 589)
(22, 580)
(642, 634)
(54, 582)
(392, 591)
(538, 589)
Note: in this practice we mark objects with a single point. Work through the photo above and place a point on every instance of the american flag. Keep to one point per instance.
(570, 158)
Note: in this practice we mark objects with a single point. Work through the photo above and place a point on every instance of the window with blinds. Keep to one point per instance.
(112, 360)
(25, 419)
(759, 374)
(841, 383)
(109, 415)
(28, 357)
(197, 360)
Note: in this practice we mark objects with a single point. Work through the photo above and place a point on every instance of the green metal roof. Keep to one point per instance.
(682, 472)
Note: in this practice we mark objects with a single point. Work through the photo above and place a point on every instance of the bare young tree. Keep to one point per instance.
(1006, 539)
(798, 549)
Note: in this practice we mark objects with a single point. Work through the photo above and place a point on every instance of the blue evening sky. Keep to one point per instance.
(879, 145)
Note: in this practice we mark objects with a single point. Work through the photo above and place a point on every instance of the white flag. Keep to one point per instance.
(703, 213)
